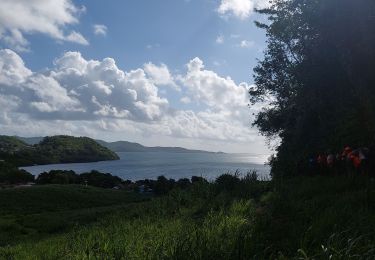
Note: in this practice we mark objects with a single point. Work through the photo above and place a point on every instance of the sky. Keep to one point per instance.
(160, 72)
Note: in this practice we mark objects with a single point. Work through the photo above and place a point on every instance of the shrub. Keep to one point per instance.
(57, 177)
(12, 175)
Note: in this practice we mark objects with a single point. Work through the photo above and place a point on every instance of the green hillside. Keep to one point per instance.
(11, 144)
(54, 149)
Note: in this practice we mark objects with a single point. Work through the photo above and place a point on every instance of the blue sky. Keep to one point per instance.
(172, 63)
(176, 31)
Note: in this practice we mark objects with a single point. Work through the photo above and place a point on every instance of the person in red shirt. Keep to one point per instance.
(354, 157)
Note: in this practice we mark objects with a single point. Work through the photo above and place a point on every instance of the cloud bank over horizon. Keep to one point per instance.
(90, 97)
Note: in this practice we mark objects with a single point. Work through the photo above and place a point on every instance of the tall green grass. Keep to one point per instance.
(40, 211)
(299, 218)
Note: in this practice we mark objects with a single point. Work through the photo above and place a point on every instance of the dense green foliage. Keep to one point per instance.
(10, 174)
(317, 76)
(57, 177)
(55, 149)
(93, 178)
(302, 218)
(98, 179)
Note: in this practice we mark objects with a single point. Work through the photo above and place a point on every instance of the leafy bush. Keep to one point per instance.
(227, 182)
(93, 178)
(98, 179)
(10, 174)
(58, 177)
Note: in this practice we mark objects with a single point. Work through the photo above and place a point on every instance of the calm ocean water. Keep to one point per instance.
(149, 165)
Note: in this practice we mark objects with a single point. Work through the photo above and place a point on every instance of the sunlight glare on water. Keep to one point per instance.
(150, 165)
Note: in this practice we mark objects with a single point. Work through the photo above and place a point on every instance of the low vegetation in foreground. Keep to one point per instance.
(318, 217)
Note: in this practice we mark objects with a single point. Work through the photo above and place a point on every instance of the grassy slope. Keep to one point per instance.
(32, 213)
(302, 217)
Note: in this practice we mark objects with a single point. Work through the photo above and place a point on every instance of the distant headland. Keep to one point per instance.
(28, 151)
(125, 146)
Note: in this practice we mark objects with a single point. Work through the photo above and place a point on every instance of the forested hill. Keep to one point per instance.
(124, 146)
(55, 149)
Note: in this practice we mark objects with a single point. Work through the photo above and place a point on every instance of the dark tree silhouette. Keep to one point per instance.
(317, 78)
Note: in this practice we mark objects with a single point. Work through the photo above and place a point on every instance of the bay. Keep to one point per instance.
(149, 165)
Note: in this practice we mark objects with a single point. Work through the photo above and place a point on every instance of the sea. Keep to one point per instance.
(149, 165)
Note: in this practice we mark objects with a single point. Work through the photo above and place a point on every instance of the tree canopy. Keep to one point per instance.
(316, 78)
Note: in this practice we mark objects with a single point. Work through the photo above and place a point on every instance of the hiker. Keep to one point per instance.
(345, 154)
(322, 162)
(356, 161)
(339, 165)
(330, 160)
(345, 160)
(312, 166)
(331, 164)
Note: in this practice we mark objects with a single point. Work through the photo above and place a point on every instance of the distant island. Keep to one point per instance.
(125, 146)
(53, 150)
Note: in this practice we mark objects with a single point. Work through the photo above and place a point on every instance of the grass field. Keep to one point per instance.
(300, 218)
(35, 212)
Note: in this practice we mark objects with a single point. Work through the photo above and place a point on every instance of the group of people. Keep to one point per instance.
(349, 161)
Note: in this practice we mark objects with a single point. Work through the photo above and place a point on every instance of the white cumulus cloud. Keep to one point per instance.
(160, 75)
(52, 18)
(240, 8)
(100, 29)
(206, 86)
(246, 44)
(77, 88)
(185, 100)
(220, 39)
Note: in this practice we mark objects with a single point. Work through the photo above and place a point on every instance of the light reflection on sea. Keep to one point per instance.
(149, 165)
